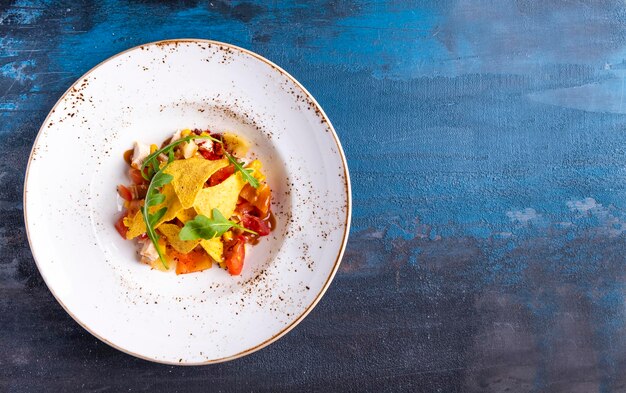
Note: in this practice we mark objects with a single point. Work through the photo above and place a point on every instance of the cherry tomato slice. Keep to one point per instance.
(255, 224)
(221, 175)
(211, 150)
(258, 197)
(135, 176)
(234, 256)
(124, 192)
(138, 191)
(121, 228)
(264, 196)
(244, 207)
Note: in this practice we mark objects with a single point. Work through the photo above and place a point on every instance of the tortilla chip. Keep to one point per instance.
(170, 231)
(214, 247)
(190, 176)
(222, 197)
(158, 265)
(171, 201)
(186, 214)
(136, 224)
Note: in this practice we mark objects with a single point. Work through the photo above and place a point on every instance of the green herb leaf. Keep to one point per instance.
(155, 199)
(154, 237)
(161, 179)
(246, 173)
(157, 215)
(202, 227)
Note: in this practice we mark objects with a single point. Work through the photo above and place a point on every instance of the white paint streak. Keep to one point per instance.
(23, 12)
(18, 71)
(600, 97)
(8, 46)
(523, 216)
(583, 205)
(609, 221)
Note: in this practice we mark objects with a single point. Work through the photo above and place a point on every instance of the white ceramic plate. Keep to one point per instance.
(145, 94)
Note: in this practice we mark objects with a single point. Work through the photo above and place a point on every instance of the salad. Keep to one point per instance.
(192, 202)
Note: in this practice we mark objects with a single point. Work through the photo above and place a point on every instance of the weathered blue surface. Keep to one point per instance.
(487, 147)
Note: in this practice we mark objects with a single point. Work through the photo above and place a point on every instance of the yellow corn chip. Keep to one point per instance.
(186, 214)
(170, 231)
(190, 176)
(136, 224)
(222, 197)
(158, 265)
(214, 247)
(171, 201)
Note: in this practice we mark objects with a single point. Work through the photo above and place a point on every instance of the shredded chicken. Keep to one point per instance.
(148, 252)
(140, 152)
(189, 149)
(176, 136)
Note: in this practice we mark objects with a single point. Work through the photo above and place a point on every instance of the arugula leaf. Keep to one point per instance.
(157, 215)
(154, 198)
(161, 179)
(246, 173)
(202, 227)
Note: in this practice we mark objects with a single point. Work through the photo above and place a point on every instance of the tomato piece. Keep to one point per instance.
(208, 149)
(221, 175)
(121, 228)
(248, 193)
(194, 261)
(255, 224)
(263, 200)
(134, 206)
(215, 153)
(258, 197)
(208, 154)
(139, 191)
(135, 176)
(124, 192)
(234, 255)
(211, 150)
(244, 207)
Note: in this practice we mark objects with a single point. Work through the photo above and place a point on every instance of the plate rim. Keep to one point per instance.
(347, 186)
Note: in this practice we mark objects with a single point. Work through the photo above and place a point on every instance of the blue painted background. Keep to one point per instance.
(487, 147)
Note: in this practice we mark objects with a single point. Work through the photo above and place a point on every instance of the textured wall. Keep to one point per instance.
(486, 142)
